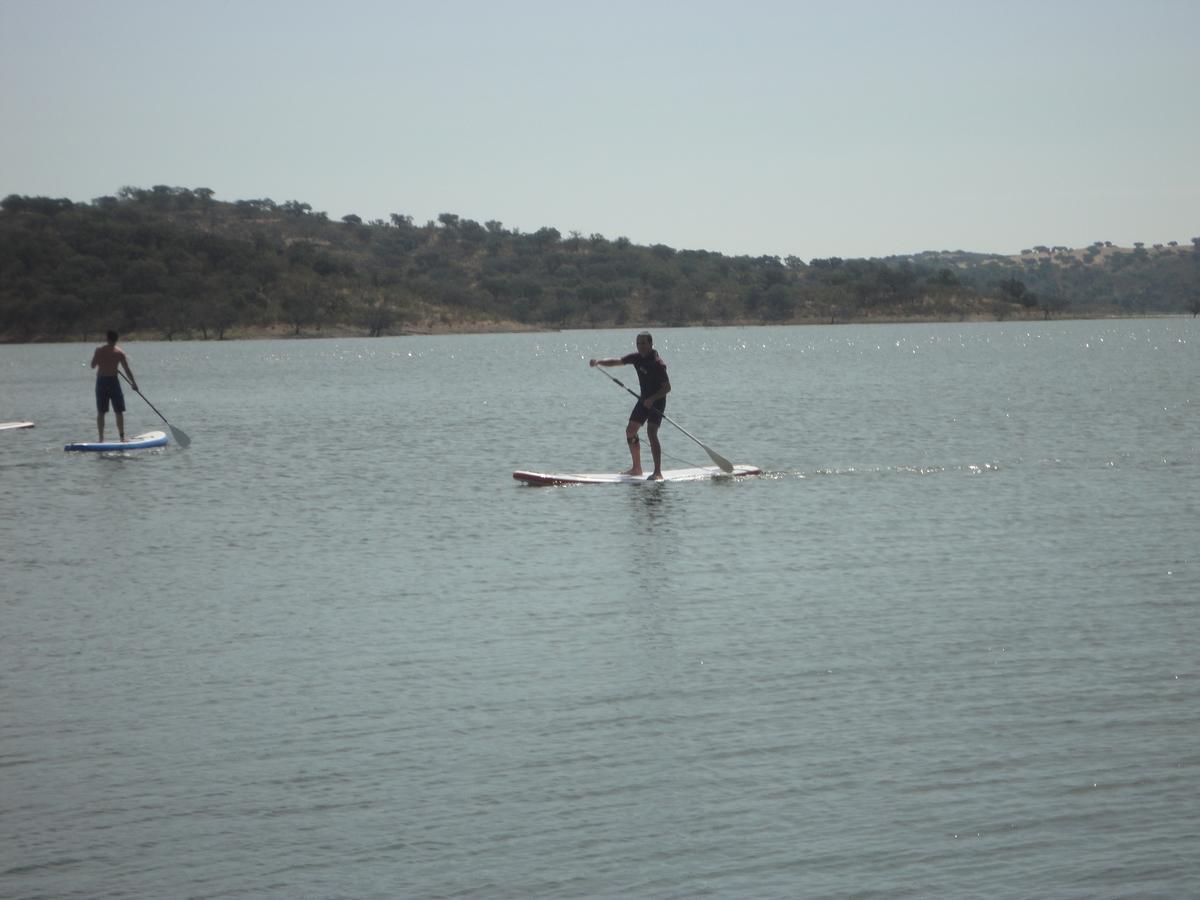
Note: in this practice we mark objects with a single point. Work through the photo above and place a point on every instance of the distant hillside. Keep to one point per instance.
(176, 263)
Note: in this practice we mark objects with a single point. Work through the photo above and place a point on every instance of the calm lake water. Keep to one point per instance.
(945, 647)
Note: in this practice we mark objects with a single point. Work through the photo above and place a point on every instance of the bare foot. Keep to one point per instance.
(657, 476)
(633, 472)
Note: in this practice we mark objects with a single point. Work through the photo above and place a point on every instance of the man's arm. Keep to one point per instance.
(658, 395)
(128, 371)
(609, 361)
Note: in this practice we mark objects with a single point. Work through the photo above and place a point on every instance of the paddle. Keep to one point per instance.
(179, 434)
(722, 463)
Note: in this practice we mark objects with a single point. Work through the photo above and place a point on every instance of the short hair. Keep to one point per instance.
(646, 335)
(112, 337)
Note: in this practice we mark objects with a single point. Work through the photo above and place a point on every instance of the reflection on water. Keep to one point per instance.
(652, 510)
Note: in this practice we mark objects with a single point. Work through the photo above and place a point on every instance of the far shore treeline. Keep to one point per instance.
(175, 263)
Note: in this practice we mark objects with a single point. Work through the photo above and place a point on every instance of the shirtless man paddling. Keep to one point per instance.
(107, 361)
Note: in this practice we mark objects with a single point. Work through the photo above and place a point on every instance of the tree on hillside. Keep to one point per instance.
(1013, 288)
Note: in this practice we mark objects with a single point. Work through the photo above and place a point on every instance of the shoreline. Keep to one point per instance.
(280, 332)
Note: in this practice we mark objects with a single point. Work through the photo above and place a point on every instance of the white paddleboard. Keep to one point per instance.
(700, 473)
(5, 426)
(138, 442)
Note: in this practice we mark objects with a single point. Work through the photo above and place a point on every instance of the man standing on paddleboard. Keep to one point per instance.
(651, 404)
(107, 361)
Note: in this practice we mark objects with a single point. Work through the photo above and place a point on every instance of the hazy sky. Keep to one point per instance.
(805, 128)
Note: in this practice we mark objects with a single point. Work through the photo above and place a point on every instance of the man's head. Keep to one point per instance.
(111, 337)
(645, 343)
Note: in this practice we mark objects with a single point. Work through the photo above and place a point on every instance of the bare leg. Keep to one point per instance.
(120, 424)
(100, 427)
(655, 450)
(635, 450)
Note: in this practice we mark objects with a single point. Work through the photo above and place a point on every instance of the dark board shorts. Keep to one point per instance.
(108, 388)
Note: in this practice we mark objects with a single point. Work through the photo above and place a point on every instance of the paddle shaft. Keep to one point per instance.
(722, 463)
(179, 434)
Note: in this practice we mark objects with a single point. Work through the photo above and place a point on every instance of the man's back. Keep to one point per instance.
(107, 359)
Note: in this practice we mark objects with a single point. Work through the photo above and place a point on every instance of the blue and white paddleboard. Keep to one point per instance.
(139, 442)
(699, 473)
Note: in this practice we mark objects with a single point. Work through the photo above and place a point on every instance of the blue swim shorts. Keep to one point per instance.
(108, 387)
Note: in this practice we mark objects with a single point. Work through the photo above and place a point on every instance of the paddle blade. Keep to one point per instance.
(722, 463)
(180, 436)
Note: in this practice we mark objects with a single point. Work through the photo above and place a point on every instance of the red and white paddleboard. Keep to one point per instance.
(700, 473)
